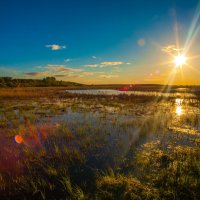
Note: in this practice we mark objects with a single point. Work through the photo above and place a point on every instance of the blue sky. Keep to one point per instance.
(99, 41)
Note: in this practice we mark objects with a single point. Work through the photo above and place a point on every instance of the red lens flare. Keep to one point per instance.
(18, 139)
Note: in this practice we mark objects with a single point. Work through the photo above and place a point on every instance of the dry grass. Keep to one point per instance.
(29, 92)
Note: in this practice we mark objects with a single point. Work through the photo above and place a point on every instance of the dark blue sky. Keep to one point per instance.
(108, 30)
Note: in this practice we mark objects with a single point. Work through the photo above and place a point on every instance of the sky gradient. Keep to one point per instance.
(101, 41)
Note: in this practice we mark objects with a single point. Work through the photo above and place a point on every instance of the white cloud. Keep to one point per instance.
(80, 75)
(94, 57)
(38, 67)
(106, 64)
(55, 47)
(62, 68)
(67, 60)
(171, 48)
(57, 71)
(92, 65)
(60, 71)
(108, 76)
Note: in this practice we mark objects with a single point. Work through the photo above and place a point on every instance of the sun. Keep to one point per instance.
(180, 60)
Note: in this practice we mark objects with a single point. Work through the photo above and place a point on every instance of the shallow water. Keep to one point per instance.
(120, 122)
(145, 93)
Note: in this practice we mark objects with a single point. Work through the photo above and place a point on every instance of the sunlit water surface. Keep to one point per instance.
(125, 122)
(118, 92)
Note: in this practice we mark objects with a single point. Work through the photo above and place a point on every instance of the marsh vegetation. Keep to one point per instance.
(62, 145)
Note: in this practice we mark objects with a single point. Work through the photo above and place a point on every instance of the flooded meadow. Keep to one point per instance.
(100, 144)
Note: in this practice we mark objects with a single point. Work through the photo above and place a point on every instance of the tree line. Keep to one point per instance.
(45, 82)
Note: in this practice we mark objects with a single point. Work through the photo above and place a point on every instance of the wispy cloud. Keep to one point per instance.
(36, 74)
(55, 47)
(38, 67)
(92, 65)
(94, 57)
(171, 48)
(108, 76)
(106, 64)
(67, 60)
(60, 71)
(81, 74)
(62, 68)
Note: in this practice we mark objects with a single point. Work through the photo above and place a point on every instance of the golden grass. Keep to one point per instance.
(29, 92)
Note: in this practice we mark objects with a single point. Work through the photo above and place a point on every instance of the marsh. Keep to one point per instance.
(86, 146)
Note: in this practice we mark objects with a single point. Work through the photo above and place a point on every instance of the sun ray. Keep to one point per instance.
(193, 68)
(193, 30)
(191, 41)
(176, 32)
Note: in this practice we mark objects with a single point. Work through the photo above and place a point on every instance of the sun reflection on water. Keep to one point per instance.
(179, 109)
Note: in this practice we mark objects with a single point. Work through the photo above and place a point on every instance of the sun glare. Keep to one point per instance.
(180, 60)
(179, 110)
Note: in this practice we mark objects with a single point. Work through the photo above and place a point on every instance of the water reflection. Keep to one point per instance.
(117, 92)
(179, 109)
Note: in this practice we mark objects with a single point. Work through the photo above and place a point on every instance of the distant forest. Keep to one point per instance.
(45, 82)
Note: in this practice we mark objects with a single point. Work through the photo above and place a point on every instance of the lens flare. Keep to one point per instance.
(18, 139)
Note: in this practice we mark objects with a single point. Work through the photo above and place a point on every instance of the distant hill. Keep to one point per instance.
(45, 82)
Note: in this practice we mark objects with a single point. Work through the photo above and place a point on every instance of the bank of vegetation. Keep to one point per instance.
(45, 82)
